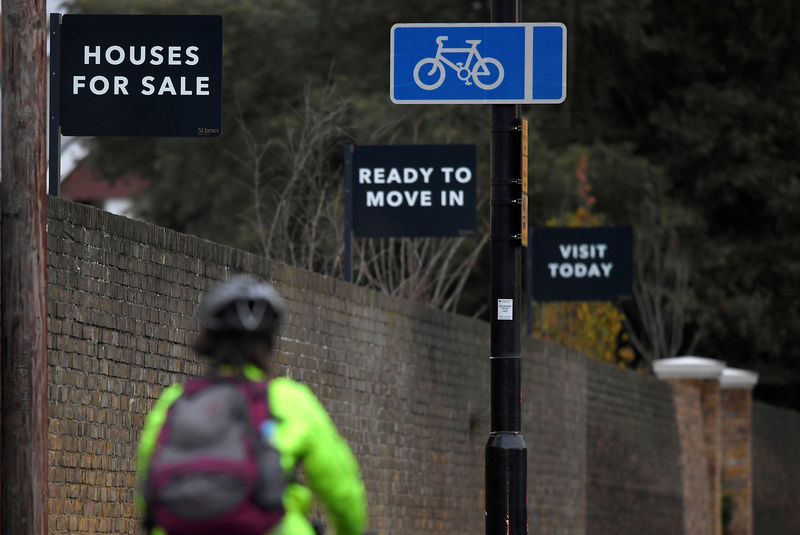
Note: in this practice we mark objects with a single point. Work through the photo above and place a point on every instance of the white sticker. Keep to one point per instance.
(505, 309)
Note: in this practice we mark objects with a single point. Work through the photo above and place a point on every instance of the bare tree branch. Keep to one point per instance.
(305, 226)
(660, 290)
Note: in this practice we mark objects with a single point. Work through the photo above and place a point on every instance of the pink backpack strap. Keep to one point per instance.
(197, 384)
(256, 393)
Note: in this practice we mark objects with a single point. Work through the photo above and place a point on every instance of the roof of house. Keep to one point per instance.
(84, 184)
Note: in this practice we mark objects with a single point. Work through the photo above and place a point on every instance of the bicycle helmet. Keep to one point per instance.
(242, 304)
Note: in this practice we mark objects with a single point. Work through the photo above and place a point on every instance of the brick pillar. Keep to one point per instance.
(737, 449)
(698, 414)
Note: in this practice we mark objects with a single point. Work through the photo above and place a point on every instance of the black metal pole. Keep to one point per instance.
(55, 105)
(529, 280)
(506, 453)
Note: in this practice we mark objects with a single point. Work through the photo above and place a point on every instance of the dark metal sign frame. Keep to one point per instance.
(133, 75)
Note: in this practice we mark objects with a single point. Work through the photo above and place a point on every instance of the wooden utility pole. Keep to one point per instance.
(23, 327)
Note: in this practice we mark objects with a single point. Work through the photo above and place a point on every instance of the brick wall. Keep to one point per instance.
(776, 470)
(697, 511)
(407, 386)
(404, 383)
(712, 429)
(634, 473)
(554, 426)
(737, 459)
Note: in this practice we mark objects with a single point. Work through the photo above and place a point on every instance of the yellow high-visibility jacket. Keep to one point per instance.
(304, 434)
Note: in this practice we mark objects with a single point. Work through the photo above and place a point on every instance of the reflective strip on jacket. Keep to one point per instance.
(304, 434)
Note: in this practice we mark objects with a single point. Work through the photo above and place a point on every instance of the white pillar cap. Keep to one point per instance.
(688, 368)
(736, 378)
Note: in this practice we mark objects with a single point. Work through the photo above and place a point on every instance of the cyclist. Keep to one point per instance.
(239, 320)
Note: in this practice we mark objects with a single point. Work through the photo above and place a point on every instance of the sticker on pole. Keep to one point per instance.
(478, 63)
(505, 309)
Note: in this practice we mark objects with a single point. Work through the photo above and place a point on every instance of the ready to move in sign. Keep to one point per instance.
(409, 175)
(423, 198)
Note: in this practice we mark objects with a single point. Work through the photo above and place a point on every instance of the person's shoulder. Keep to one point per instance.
(290, 395)
(286, 386)
(173, 390)
(169, 395)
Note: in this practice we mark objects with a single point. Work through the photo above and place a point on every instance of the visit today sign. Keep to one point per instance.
(582, 263)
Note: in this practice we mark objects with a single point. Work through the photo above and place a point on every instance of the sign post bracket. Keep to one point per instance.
(348, 213)
(54, 150)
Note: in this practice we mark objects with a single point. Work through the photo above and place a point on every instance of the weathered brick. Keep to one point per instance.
(407, 386)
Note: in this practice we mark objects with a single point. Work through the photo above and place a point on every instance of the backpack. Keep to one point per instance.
(210, 471)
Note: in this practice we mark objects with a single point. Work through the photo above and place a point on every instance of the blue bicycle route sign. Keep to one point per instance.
(501, 63)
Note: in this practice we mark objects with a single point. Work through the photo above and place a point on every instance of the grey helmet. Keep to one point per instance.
(242, 304)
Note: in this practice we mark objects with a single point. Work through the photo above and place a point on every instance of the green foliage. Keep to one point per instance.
(272, 50)
(705, 95)
(688, 107)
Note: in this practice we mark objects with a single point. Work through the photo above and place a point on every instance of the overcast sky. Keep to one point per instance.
(53, 5)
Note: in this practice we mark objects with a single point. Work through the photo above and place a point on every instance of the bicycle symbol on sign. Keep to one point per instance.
(479, 72)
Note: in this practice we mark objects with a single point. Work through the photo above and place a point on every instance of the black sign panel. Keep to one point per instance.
(141, 75)
(582, 263)
(414, 190)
